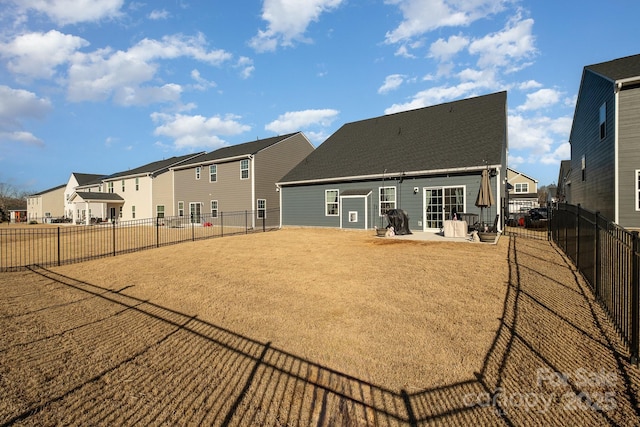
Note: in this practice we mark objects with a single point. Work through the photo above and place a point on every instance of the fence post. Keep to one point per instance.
(221, 224)
(264, 216)
(58, 246)
(157, 232)
(246, 222)
(114, 235)
(597, 255)
(578, 237)
(193, 236)
(635, 301)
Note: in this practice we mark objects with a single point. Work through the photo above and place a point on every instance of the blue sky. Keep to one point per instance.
(102, 86)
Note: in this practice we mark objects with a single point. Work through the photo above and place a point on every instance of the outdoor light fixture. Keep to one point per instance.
(415, 190)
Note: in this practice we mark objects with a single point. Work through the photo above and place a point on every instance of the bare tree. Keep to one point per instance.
(11, 198)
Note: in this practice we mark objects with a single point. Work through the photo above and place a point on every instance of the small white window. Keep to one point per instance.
(160, 211)
(214, 209)
(387, 199)
(213, 173)
(638, 189)
(180, 208)
(262, 208)
(584, 168)
(133, 212)
(521, 187)
(198, 171)
(244, 169)
(123, 185)
(353, 216)
(137, 184)
(331, 202)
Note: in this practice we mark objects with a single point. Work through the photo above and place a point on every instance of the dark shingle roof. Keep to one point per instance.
(618, 69)
(238, 150)
(49, 190)
(90, 195)
(154, 168)
(454, 135)
(87, 178)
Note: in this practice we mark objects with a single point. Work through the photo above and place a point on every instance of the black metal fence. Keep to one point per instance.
(66, 244)
(607, 256)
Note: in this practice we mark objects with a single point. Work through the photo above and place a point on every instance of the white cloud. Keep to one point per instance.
(197, 131)
(16, 106)
(123, 75)
(538, 134)
(36, 55)
(540, 99)
(507, 47)
(157, 15)
(444, 50)
(529, 84)
(296, 120)
(246, 67)
(287, 21)
(201, 82)
(391, 82)
(63, 12)
(422, 16)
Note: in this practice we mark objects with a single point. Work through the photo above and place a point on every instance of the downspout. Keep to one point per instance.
(253, 190)
(279, 191)
(499, 199)
(616, 171)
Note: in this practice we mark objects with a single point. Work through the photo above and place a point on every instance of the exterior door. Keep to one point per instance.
(433, 208)
(440, 203)
(195, 212)
(112, 214)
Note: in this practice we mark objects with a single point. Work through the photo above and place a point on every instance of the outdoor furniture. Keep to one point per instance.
(454, 228)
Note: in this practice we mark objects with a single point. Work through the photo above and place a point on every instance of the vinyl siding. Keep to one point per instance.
(233, 194)
(358, 205)
(162, 189)
(629, 155)
(597, 191)
(304, 205)
(272, 163)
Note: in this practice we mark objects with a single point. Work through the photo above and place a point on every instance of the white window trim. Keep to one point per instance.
(326, 202)
(243, 169)
(198, 172)
(263, 209)
(395, 200)
(215, 174)
(515, 187)
(158, 212)
(180, 203)
(214, 209)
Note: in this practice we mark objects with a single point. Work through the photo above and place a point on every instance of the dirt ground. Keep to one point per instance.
(307, 326)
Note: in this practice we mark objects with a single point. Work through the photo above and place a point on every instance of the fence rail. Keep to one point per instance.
(607, 256)
(66, 244)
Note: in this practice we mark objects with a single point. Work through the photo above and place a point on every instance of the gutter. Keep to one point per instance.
(388, 175)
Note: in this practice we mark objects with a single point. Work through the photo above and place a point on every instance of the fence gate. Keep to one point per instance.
(530, 223)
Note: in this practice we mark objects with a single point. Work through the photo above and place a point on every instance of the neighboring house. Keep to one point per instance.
(80, 180)
(140, 193)
(427, 161)
(46, 205)
(605, 155)
(563, 191)
(238, 178)
(523, 191)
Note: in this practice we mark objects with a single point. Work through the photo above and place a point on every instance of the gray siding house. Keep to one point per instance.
(605, 154)
(427, 161)
(238, 178)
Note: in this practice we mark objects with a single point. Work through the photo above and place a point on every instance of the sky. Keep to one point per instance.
(103, 86)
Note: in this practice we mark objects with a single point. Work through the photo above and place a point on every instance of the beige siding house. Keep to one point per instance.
(46, 205)
(523, 191)
(140, 193)
(238, 178)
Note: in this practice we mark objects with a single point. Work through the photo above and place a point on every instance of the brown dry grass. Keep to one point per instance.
(304, 326)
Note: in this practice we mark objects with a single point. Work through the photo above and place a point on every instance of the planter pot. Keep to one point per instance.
(487, 237)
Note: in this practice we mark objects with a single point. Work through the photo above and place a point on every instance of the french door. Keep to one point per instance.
(439, 203)
(195, 212)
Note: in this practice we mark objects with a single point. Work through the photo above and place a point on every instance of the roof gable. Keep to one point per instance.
(87, 178)
(618, 69)
(238, 150)
(455, 135)
(153, 168)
